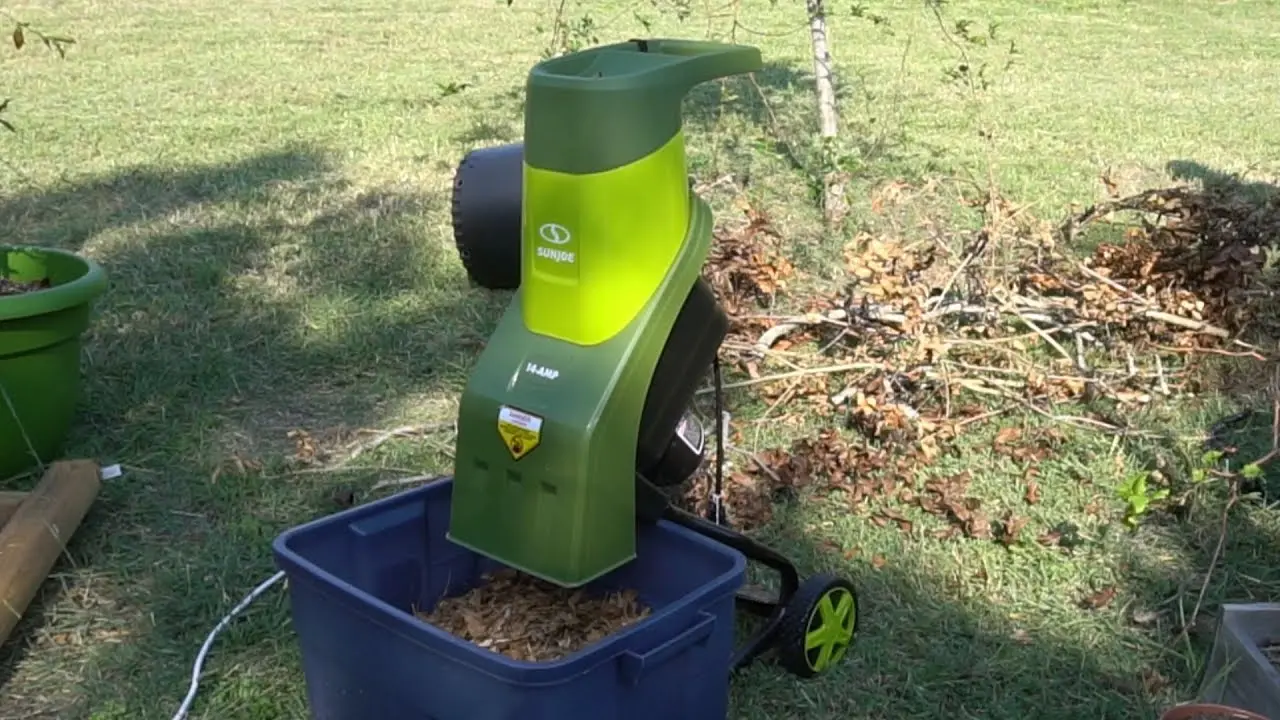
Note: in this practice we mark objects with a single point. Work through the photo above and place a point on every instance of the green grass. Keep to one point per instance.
(267, 185)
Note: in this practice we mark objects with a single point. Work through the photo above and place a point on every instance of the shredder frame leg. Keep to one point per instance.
(764, 638)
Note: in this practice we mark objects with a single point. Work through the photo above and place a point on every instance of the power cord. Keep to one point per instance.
(717, 494)
(213, 634)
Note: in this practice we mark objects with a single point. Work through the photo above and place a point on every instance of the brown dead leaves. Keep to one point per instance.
(1197, 252)
(1010, 532)
(890, 273)
(527, 619)
(1031, 493)
(948, 498)
(825, 463)
(746, 266)
(1100, 599)
(1028, 447)
(879, 481)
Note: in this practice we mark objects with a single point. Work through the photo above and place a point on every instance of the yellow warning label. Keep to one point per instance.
(519, 430)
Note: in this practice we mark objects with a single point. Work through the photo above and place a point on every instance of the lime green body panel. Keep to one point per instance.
(634, 217)
(564, 512)
(611, 245)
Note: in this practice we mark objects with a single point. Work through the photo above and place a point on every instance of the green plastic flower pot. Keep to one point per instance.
(40, 335)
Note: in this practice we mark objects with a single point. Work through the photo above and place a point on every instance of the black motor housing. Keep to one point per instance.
(672, 439)
(487, 199)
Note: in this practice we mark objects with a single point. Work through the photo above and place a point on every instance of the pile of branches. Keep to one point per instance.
(924, 339)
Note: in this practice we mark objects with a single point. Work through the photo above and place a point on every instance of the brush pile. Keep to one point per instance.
(915, 342)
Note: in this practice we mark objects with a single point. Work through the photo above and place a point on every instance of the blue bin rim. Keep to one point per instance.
(471, 654)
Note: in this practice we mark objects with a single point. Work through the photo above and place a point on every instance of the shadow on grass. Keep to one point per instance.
(1254, 191)
(246, 301)
(938, 641)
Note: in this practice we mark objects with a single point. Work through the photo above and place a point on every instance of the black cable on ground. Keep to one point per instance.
(717, 497)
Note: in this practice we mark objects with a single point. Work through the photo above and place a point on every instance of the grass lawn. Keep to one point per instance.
(267, 185)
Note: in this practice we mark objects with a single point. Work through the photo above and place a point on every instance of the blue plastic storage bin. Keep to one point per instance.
(354, 577)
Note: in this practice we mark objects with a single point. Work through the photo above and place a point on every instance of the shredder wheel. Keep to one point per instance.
(486, 205)
(819, 625)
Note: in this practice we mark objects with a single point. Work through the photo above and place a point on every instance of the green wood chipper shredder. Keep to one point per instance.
(578, 413)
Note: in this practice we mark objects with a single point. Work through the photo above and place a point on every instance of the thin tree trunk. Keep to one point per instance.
(833, 204)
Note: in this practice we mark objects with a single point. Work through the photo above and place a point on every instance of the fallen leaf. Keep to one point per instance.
(1153, 682)
(1007, 435)
(978, 527)
(878, 561)
(1032, 494)
(1099, 599)
(891, 515)
(1022, 637)
(1011, 529)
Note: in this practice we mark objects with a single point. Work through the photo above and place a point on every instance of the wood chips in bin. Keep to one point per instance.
(528, 619)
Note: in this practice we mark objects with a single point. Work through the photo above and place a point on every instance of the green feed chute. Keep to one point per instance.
(612, 240)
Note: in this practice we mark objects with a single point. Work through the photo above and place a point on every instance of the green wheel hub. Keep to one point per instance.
(818, 625)
(830, 628)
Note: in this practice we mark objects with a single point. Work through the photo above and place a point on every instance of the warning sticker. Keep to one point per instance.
(519, 430)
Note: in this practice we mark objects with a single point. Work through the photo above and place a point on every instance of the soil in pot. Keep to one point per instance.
(525, 618)
(18, 287)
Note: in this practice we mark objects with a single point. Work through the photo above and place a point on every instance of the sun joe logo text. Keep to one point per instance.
(560, 256)
(555, 234)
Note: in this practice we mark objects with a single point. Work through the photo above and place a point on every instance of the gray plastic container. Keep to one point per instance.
(1238, 673)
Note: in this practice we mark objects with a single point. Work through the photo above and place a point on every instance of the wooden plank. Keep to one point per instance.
(37, 534)
(9, 502)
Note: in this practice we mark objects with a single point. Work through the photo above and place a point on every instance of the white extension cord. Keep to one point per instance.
(213, 634)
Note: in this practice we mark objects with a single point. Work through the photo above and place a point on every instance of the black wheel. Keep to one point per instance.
(486, 215)
(818, 626)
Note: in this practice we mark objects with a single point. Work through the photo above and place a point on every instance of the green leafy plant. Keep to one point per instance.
(1208, 468)
(1139, 495)
(22, 32)
(1208, 461)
